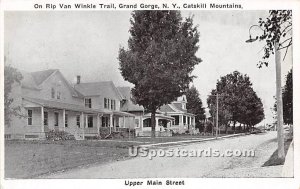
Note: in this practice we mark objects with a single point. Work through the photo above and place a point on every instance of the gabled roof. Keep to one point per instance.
(40, 76)
(129, 105)
(179, 106)
(34, 80)
(96, 88)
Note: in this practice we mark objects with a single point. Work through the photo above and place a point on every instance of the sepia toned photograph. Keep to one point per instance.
(148, 94)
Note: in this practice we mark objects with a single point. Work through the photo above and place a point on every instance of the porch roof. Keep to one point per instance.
(61, 105)
(119, 113)
(162, 116)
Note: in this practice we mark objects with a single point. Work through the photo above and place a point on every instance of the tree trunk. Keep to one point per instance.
(234, 122)
(226, 128)
(153, 123)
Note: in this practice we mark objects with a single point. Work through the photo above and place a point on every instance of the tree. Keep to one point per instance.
(252, 111)
(277, 34)
(238, 101)
(194, 105)
(160, 58)
(287, 99)
(11, 76)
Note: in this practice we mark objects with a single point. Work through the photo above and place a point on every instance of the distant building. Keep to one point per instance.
(171, 117)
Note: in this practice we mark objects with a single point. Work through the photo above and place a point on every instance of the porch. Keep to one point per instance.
(44, 116)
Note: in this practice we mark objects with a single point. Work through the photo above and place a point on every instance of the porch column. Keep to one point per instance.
(110, 121)
(141, 122)
(64, 118)
(181, 123)
(98, 124)
(156, 124)
(124, 122)
(194, 122)
(82, 123)
(42, 119)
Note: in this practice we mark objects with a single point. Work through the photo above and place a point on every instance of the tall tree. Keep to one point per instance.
(160, 57)
(11, 76)
(236, 100)
(277, 34)
(287, 99)
(194, 105)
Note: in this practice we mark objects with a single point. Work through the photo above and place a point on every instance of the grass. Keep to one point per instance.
(274, 160)
(29, 159)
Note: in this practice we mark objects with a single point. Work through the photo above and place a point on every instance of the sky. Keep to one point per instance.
(86, 43)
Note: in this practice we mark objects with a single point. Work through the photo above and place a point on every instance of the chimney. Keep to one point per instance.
(78, 79)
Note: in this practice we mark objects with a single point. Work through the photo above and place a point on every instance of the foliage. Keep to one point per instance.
(277, 28)
(238, 101)
(160, 57)
(287, 98)
(11, 76)
(58, 135)
(194, 105)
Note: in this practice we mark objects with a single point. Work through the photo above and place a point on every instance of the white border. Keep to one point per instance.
(249, 183)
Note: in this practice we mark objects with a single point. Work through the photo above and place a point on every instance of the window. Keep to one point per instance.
(45, 118)
(55, 118)
(176, 122)
(90, 121)
(188, 120)
(52, 92)
(88, 102)
(137, 123)
(29, 117)
(184, 119)
(105, 102)
(108, 103)
(105, 121)
(78, 121)
(58, 95)
(111, 104)
(114, 104)
(66, 120)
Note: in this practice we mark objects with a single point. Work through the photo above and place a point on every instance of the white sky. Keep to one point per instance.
(87, 43)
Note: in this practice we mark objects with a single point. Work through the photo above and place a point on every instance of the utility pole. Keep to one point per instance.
(217, 118)
(280, 137)
(217, 112)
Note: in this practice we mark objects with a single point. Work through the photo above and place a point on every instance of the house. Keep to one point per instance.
(171, 117)
(48, 102)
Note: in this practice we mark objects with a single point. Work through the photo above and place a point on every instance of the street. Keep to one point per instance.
(142, 167)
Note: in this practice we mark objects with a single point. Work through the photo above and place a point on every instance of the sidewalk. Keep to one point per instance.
(288, 167)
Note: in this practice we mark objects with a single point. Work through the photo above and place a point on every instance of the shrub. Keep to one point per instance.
(59, 135)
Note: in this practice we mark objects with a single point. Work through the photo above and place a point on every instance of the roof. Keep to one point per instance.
(40, 76)
(179, 106)
(28, 81)
(148, 115)
(61, 105)
(129, 105)
(73, 107)
(33, 80)
(96, 88)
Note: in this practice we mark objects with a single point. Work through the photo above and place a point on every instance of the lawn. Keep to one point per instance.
(29, 159)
